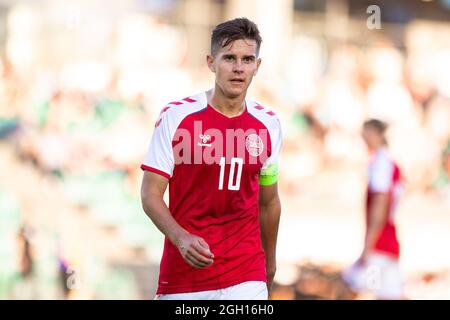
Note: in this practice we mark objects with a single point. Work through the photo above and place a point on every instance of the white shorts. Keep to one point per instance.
(249, 290)
(380, 275)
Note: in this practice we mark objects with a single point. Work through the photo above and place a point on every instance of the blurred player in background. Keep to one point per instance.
(377, 270)
(218, 152)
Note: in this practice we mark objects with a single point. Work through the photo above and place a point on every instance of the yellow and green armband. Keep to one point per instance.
(269, 175)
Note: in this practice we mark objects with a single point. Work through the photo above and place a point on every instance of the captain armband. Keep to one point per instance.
(269, 175)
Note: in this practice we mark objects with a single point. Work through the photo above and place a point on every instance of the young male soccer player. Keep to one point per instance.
(218, 152)
(377, 270)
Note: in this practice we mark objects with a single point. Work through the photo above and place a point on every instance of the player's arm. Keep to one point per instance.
(194, 249)
(269, 203)
(380, 178)
(377, 216)
(269, 218)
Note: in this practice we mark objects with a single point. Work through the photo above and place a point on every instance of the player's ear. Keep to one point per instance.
(258, 63)
(210, 62)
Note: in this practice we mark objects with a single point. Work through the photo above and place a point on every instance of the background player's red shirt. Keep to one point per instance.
(213, 164)
(385, 177)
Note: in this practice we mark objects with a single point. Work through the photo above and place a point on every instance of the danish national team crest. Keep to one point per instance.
(254, 145)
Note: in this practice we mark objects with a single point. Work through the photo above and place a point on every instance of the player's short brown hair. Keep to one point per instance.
(232, 30)
(377, 125)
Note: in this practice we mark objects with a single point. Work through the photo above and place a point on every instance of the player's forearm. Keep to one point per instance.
(269, 219)
(157, 210)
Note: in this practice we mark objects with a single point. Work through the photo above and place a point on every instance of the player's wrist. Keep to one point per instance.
(364, 254)
(178, 236)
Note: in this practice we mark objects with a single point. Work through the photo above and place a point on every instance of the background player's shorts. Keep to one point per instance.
(380, 275)
(249, 290)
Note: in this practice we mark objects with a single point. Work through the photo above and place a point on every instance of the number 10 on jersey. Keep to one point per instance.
(235, 162)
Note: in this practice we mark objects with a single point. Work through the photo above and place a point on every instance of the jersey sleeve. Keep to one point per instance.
(380, 175)
(159, 158)
(268, 174)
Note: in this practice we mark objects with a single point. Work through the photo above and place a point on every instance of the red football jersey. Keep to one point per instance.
(213, 164)
(385, 177)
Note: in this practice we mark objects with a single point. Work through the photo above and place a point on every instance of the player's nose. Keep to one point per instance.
(238, 66)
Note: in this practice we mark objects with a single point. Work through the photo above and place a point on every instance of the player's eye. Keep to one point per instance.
(249, 59)
(229, 58)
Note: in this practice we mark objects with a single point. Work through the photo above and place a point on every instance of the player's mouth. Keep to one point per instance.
(237, 80)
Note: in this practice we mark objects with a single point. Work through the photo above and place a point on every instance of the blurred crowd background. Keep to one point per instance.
(82, 83)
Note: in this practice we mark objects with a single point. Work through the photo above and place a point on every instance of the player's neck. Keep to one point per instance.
(377, 147)
(230, 107)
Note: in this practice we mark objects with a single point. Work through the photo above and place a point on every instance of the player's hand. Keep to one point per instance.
(271, 270)
(195, 251)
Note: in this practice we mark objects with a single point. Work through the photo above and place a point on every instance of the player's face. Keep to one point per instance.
(235, 66)
(372, 138)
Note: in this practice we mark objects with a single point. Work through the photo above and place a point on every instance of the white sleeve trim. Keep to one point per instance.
(159, 154)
